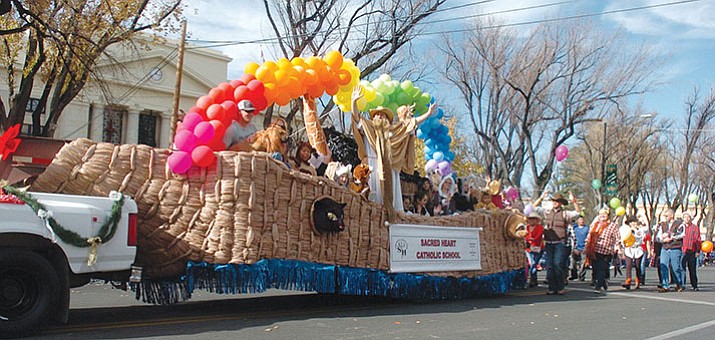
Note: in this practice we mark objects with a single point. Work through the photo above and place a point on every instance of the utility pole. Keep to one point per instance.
(177, 85)
(603, 165)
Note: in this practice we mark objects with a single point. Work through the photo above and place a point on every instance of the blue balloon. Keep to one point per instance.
(430, 142)
(447, 139)
(449, 155)
(434, 123)
(420, 134)
(428, 150)
(438, 156)
(428, 156)
(439, 114)
(426, 128)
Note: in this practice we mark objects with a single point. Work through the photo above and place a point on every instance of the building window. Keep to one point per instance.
(30, 108)
(113, 123)
(148, 128)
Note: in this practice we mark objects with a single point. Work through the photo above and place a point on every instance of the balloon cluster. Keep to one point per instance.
(384, 91)
(615, 203)
(437, 140)
(289, 79)
(201, 131)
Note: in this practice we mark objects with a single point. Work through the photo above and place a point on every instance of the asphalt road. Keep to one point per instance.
(100, 312)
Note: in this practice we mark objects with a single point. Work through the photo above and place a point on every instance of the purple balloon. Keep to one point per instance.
(430, 165)
(528, 209)
(512, 194)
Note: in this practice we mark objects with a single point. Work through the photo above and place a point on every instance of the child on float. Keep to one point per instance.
(422, 200)
(307, 160)
(444, 204)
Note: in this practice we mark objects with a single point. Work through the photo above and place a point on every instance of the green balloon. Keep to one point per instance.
(615, 203)
(596, 184)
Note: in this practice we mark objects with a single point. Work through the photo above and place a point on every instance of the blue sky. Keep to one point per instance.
(684, 33)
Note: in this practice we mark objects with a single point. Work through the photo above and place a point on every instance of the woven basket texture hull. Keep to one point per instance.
(244, 208)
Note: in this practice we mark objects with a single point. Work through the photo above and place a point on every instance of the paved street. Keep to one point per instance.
(98, 311)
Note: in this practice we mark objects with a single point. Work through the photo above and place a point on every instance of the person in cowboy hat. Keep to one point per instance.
(373, 139)
(556, 222)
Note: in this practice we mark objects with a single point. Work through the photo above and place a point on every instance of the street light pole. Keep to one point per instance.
(603, 164)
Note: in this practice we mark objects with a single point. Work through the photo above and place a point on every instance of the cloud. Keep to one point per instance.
(681, 21)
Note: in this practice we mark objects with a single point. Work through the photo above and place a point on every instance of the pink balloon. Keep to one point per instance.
(179, 162)
(204, 132)
(185, 141)
(191, 120)
(512, 194)
(562, 152)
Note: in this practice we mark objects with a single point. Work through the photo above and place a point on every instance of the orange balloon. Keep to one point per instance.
(283, 99)
(294, 87)
(251, 67)
(706, 246)
(270, 92)
(315, 62)
(315, 91)
(334, 59)
(344, 77)
(311, 77)
(217, 95)
(204, 102)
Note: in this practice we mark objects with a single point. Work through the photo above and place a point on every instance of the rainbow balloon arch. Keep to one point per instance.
(201, 131)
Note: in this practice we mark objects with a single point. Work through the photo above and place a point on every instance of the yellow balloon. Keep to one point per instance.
(369, 93)
(251, 68)
(620, 211)
(361, 103)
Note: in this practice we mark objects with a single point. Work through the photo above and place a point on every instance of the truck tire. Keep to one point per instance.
(29, 288)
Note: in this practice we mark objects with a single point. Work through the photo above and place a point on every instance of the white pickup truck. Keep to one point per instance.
(38, 268)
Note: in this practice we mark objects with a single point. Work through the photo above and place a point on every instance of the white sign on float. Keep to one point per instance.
(419, 248)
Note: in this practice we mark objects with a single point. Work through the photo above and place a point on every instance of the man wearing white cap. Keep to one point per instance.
(240, 134)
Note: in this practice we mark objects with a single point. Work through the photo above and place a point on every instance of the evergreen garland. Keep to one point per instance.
(106, 232)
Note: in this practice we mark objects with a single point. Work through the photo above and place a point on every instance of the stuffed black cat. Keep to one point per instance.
(327, 216)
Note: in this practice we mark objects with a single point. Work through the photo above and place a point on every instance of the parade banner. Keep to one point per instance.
(611, 180)
(419, 248)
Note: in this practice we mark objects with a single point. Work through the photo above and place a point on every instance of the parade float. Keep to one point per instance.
(236, 222)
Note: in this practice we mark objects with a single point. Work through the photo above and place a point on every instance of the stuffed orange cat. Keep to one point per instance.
(361, 173)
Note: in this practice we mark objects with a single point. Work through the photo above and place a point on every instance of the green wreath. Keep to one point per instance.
(106, 232)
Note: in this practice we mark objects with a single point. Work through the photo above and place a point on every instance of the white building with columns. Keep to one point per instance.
(133, 103)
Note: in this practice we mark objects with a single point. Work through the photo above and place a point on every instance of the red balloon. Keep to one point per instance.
(230, 108)
(236, 83)
(204, 102)
(246, 78)
(260, 103)
(215, 111)
(217, 95)
(256, 86)
(226, 87)
(217, 144)
(203, 156)
(200, 111)
(219, 128)
(241, 93)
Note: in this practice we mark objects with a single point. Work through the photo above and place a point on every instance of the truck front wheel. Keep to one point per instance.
(29, 288)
